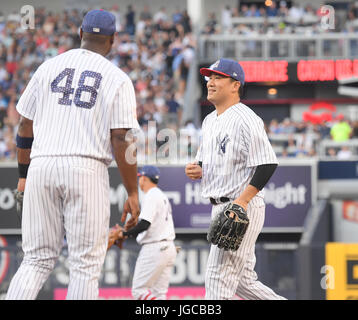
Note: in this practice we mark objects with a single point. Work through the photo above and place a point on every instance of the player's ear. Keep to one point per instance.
(81, 33)
(237, 85)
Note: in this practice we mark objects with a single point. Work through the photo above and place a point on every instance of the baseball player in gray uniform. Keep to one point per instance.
(75, 110)
(234, 162)
(155, 233)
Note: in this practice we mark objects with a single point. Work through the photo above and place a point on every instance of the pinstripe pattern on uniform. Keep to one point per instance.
(232, 272)
(228, 174)
(69, 130)
(153, 269)
(79, 188)
(233, 144)
(74, 100)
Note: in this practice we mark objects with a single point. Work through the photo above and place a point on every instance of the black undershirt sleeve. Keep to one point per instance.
(141, 226)
(262, 175)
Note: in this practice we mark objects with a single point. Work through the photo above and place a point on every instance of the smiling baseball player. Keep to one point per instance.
(75, 110)
(234, 162)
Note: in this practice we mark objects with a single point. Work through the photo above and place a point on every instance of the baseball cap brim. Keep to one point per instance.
(207, 72)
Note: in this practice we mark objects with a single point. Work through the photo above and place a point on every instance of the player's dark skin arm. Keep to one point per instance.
(23, 155)
(128, 173)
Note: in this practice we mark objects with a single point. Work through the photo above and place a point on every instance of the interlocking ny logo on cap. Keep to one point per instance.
(96, 29)
(215, 65)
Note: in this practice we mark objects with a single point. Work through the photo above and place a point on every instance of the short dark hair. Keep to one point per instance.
(241, 89)
(155, 181)
(97, 38)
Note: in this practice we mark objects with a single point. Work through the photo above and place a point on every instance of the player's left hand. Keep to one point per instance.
(241, 203)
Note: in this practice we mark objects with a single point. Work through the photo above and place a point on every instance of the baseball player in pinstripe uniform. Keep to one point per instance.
(155, 233)
(234, 162)
(75, 109)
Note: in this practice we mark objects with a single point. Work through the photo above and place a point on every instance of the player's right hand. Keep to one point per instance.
(193, 171)
(21, 185)
(116, 237)
(131, 206)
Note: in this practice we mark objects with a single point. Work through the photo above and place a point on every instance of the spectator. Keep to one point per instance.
(177, 16)
(324, 130)
(130, 20)
(146, 14)
(332, 152)
(186, 22)
(211, 25)
(300, 151)
(161, 15)
(226, 19)
(272, 11)
(287, 126)
(174, 108)
(344, 153)
(295, 13)
(253, 11)
(355, 129)
(115, 11)
(341, 131)
(274, 127)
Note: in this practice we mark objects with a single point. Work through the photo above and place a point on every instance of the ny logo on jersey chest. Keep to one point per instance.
(221, 143)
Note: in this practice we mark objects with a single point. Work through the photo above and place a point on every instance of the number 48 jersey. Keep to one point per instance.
(74, 99)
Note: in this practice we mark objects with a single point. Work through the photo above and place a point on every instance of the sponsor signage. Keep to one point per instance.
(302, 71)
(342, 271)
(288, 196)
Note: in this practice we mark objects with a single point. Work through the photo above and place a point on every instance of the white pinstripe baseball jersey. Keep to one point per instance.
(157, 255)
(74, 100)
(232, 145)
(157, 210)
(68, 102)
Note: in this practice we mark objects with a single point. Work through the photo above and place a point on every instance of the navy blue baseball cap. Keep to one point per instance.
(99, 22)
(151, 172)
(226, 67)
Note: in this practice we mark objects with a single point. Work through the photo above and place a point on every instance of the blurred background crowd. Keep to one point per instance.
(278, 17)
(156, 50)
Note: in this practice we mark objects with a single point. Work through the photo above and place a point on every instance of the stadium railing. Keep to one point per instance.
(290, 47)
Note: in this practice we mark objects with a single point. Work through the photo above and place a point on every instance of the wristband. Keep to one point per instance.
(24, 142)
(23, 168)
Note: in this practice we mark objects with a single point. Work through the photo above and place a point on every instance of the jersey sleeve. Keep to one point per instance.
(199, 153)
(124, 113)
(26, 105)
(148, 209)
(256, 144)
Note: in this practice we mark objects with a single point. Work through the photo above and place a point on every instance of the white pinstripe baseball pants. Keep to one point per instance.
(152, 270)
(63, 196)
(232, 272)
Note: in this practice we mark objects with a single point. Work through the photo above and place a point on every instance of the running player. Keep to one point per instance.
(155, 232)
(75, 108)
(234, 162)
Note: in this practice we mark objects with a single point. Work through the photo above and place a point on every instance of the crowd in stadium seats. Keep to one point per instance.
(301, 139)
(279, 17)
(155, 50)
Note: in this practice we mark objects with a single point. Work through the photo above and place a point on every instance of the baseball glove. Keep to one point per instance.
(115, 237)
(19, 199)
(229, 227)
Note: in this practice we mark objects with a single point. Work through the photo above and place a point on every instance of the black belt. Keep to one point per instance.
(221, 199)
